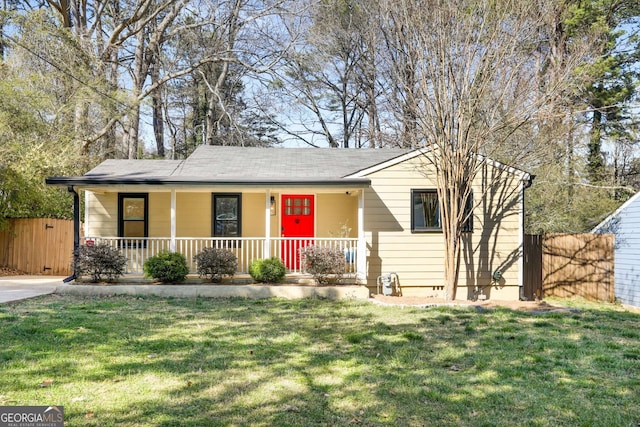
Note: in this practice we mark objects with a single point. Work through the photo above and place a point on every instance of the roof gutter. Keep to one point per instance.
(103, 181)
(528, 181)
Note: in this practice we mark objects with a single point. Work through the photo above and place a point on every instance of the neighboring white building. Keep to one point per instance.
(624, 223)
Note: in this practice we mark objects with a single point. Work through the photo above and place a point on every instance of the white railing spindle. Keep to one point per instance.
(138, 250)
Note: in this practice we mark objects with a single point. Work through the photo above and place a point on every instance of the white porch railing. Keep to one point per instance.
(137, 251)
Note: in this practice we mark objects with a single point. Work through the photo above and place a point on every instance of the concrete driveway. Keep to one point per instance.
(15, 288)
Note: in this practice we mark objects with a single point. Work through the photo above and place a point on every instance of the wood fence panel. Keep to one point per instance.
(532, 252)
(38, 246)
(578, 265)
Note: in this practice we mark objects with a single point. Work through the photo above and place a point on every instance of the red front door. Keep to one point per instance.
(297, 221)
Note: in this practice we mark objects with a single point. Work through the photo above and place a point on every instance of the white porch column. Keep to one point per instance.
(87, 208)
(172, 245)
(266, 250)
(361, 257)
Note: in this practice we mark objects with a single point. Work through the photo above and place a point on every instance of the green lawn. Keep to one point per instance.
(171, 362)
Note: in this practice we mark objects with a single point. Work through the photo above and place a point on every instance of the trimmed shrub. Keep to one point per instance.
(325, 264)
(270, 270)
(216, 263)
(167, 267)
(99, 261)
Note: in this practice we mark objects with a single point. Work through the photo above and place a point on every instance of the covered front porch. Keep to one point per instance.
(253, 223)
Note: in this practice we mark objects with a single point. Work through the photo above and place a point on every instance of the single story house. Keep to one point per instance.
(379, 206)
(624, 224)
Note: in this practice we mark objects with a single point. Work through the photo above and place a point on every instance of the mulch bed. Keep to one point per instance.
(532, 306)
(4, 271)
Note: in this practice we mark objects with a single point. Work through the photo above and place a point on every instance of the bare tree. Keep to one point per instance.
(330, 78)
(475, 84)
(223, 46)
(132, 50)
(149, 30)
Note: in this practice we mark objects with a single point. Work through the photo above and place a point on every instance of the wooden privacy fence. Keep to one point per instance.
(569, 265)
(38, 246)
(532, 267)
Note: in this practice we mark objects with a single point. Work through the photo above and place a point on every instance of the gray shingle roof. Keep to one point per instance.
(217, 164)
(298, 164)
(134, 168)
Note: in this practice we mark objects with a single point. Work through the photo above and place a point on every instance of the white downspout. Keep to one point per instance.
(172, 245)
(87, 227)
(361, 253)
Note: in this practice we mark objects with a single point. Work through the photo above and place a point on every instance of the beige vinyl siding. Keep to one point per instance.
(159, 214)
(333, 211)
(193, 214)
(275, 219)
(253, 207)
(417, 258)
(103, 214)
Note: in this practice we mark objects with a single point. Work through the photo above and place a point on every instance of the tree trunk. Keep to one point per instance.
(139, 76)
(211, 120)
(111, 151)
(451, 268)
(158, 110)
(595, 162)
(453, 190)
(2, 43)
(409, 113)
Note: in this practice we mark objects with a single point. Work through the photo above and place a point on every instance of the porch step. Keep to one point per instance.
(217, 291)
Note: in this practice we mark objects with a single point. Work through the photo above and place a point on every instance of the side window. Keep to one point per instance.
(227, 218)
(133, 215)
(425, 212)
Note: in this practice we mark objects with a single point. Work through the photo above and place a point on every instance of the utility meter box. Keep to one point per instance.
(388, 283)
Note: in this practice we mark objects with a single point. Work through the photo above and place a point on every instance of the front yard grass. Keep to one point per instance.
(177, 362)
